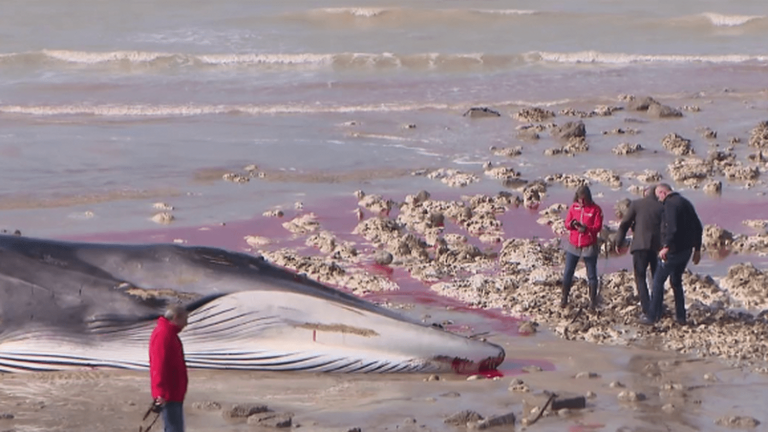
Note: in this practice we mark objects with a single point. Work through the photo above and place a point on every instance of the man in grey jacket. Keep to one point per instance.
(644, 218)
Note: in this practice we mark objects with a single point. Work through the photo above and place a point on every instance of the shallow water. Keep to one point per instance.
(135, 100)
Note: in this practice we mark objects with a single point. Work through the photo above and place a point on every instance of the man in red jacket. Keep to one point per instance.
(167, 368)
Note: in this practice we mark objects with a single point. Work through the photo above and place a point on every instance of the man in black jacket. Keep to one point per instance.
(681, 232)
(644, 218)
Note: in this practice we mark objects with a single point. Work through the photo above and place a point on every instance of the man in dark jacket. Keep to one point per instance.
(167, 367)
(681, 233)
(644, 218)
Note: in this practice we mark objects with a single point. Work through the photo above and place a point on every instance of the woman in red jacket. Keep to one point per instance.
(584, 222)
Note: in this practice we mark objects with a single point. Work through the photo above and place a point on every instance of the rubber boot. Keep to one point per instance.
(593, 295)
(564, 298)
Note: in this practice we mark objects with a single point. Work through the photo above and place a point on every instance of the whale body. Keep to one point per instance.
(69, 305)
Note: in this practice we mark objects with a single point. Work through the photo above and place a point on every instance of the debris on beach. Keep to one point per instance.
(624, 149)
(534, 115)
(163, 218)
(481, 112)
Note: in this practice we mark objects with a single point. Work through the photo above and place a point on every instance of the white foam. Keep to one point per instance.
(622, 58)
(103, 57)
(274, 59)
(720, 20)
(124, 110)
(356, 12)
(507, 11)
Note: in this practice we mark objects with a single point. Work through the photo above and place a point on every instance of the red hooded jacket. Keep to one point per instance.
(591, 215)
(167, 368)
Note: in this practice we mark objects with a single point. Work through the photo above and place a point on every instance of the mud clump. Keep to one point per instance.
(570, 130)
(303, 224)
(748, 285)
(481, 112)
(653, 107)
(742, 173)
(453, 177)
(716, 238)
(759, 136)
(534, 115)
(737, 422)
(461, 418)
(677, 145)
(714, 187)
(648, 176)
(624, 149)
(570, 181)
(598, 111)
(163, 218)
(605, 176)
(690, 171)
(534, 193)
(507, 151)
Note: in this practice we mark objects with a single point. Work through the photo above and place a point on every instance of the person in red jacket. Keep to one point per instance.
(167, 368)
(584, 222)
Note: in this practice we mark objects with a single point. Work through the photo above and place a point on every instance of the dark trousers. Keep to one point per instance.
(570, 267)
(673, 269)
(173, 417)
(641, 259)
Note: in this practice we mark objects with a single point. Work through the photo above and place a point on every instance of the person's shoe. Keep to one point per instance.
(593, 296)
(681, 322)
(647, 321)
(564, 296)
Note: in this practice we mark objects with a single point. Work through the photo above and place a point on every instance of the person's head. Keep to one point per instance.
(583, 195)
(650, 191)
(662, 190)
(177, 314)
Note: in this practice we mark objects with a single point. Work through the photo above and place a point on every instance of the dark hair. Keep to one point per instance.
(583, 192)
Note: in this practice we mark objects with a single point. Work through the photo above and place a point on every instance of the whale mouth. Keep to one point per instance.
(464, 366)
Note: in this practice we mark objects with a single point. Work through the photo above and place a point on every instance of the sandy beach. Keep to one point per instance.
(489, 264)
(420, 157)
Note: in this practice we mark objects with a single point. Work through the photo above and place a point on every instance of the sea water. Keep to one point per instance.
(109, 106)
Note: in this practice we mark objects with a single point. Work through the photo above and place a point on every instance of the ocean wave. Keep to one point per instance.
(402, 15)
(349, 61)
(507, 11)
(720, 20)
(356, 11)
(191, 110)
(88, 57)
(597, 57)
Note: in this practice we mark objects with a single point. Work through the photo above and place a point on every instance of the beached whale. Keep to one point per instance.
(66, 305)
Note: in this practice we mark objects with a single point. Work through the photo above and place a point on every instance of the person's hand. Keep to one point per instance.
(663, 253)
(157, 405)
(696, 257)
(581, 228)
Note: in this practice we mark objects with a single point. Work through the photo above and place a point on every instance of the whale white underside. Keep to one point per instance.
(255, 330)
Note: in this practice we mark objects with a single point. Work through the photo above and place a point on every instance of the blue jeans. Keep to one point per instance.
(173, 417)
(673, 269)
(570, 267)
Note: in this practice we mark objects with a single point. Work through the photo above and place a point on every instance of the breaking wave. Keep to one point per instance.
(341, 61)
(720, 20)
(190, 110)
(621, 58)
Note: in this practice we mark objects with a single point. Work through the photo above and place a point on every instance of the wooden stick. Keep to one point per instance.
(541, 413)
